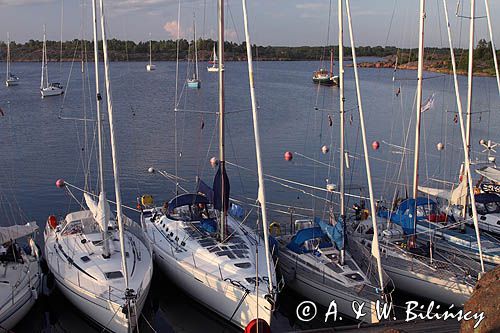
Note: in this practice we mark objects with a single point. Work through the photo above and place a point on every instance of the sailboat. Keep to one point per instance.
(10, 78)
(422, 269)
(48, 88)
(21, 274)
(150, 67)
(194, 81)
(325, 77)
(214, 257)
(214, 62)
(314, 258)
(102, 263)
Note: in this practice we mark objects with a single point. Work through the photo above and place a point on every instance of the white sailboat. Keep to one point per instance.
(48, 88)
(21, 274)
(214, 62)
(315, 260)
(10, 78)
(101, 263)
(150, 67)
(415, 268)
(215, 258)
(194, 81)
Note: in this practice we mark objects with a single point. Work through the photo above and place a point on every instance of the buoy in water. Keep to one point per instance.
(214, 162)
(288, 156)
(375, 145)
(151, 170)
(60, 183)
(325, 149)
(440, 146)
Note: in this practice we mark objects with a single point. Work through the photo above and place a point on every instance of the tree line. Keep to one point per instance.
(123, 50)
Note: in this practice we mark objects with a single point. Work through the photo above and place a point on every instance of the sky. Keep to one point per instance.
(272, 22)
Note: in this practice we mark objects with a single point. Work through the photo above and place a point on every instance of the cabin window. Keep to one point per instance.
(113, 275)
(243, 265)
(85, 259)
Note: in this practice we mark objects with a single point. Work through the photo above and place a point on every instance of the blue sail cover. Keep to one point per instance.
(334, 232)
(404, 214)
(218, 189)
(297, 243)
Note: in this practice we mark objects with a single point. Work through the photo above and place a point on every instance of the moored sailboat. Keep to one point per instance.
(48, 88)
(101, 263)
(150, 67)
(10, 78)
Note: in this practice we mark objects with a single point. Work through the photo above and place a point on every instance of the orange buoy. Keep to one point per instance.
(375, 145)
(52, 221)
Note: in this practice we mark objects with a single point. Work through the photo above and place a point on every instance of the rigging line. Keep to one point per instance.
(69, 77)
(274, 178)
(177, 92)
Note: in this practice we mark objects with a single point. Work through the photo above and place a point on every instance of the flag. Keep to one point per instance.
(428, 104)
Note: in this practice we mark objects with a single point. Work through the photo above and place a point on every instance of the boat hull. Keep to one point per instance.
(219, 296)
(11, 83)
(150, 67)
(14, 309)
(51, 91)
(194, 84)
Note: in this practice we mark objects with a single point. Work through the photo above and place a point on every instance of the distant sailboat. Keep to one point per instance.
(10, 79)
(194, 81)
(325, 77)
(150, 67)
(214, 62)
(48, 88)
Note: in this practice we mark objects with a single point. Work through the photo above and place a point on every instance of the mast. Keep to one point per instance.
(375, 247)
(331, 62)
(262, 191)
(418, 109)
(469, 90)
(8, 57)
(113, 145)
(220, 5)
(342, 100)
(464, 143)
(106, 253)
(195, 46)
(150, 50)
(44, 77)
(486, 4)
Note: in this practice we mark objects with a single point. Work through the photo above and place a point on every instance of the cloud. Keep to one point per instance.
(311, 6)
(230, 34)
(171, 28)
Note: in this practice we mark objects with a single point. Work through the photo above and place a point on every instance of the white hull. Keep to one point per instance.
(19, 300)
(150, 67)
(323, 295)
(439, 290)
(103, 312)
(212, 69)
(10, 83)
(51, 91)
(219, 296)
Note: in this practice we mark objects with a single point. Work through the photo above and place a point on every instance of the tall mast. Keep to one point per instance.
(486, 4)
(113, 145)
(150, 50)
(260, 172)
(331, 62)
(195, 46)
(375, 247)
(220, 5)
(106, 253)
(8, 57)
(469, 90)
(341, 103)
(464, 143)
(419, 107)
(44, 62)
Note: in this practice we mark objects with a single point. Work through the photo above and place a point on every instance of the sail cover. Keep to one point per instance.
(334, 232)
(218, 190)
(17, 231)
(100, 211)
(491, 173)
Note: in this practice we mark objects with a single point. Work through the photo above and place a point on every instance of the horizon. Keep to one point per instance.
(301, 23)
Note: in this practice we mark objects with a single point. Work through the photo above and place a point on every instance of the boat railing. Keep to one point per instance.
(138, 232)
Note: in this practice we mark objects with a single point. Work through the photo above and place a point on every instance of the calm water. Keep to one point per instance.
(39, 145)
